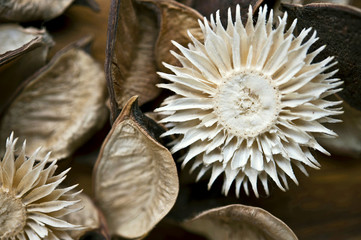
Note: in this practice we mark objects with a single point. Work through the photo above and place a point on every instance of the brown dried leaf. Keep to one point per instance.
(175, 20)
(22, 52)
(338, 27)
(87, 217)
(135, 178)
(239, 222)
(60, 106)
(130, 66)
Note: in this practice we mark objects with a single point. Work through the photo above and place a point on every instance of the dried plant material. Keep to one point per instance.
(22, 52)
(130, 65)
(30, 198)
(60, 106)
(338, 27)
(175, 21)
(13, 36)
(88, 3)
(33, 10)
(249, 102)
(87, 216)
(304, 2)
(135, 178)
(349, 134)
(237, 221)
(208, 7)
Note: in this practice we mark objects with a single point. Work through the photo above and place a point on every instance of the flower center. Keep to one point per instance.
(12, 215)
(247, 104)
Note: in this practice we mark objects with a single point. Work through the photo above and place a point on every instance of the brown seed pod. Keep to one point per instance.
(239, 222)
(33, 10)
(22, 52)
(135, 177)
(137, 46)
(60, 106)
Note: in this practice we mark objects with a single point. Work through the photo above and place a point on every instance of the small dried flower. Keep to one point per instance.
(31, 204)
(250, 101)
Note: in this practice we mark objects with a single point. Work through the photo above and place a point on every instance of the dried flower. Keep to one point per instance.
(31, 204)
(250, 101)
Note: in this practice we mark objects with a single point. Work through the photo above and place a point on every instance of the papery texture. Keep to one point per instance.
(135, 178)
(239, 222)
(22, 52)
(60, 106)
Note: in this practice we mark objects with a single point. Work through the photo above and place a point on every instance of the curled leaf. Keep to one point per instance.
(33, 10)
(135, 178)
(338, 27)
(239, 222)
(22, 52)
(60, 106)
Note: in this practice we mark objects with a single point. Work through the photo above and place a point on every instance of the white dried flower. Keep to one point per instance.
(31, 204)
(250, 101)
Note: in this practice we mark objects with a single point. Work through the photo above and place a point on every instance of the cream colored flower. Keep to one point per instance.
(31, 204)
(249, 101)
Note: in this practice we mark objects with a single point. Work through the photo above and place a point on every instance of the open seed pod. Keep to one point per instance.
(22, 52)
(61, 105)
(237, 221)
(135, 177)
(137, 46)
(33, 10)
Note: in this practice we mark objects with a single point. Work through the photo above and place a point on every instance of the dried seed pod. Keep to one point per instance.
(22, 52)
(239, 222)
(176, 20)
(33, 10)
(135, 178)
(130, 68)
(137, 46)
(60, 106)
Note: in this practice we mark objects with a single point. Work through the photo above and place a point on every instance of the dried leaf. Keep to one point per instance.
(135, 178)
(33, 10)
(22, 52)
(239, 222)
(130, 66)
(338, 27)
(87, 217)
(60, 106)
(175, 21)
